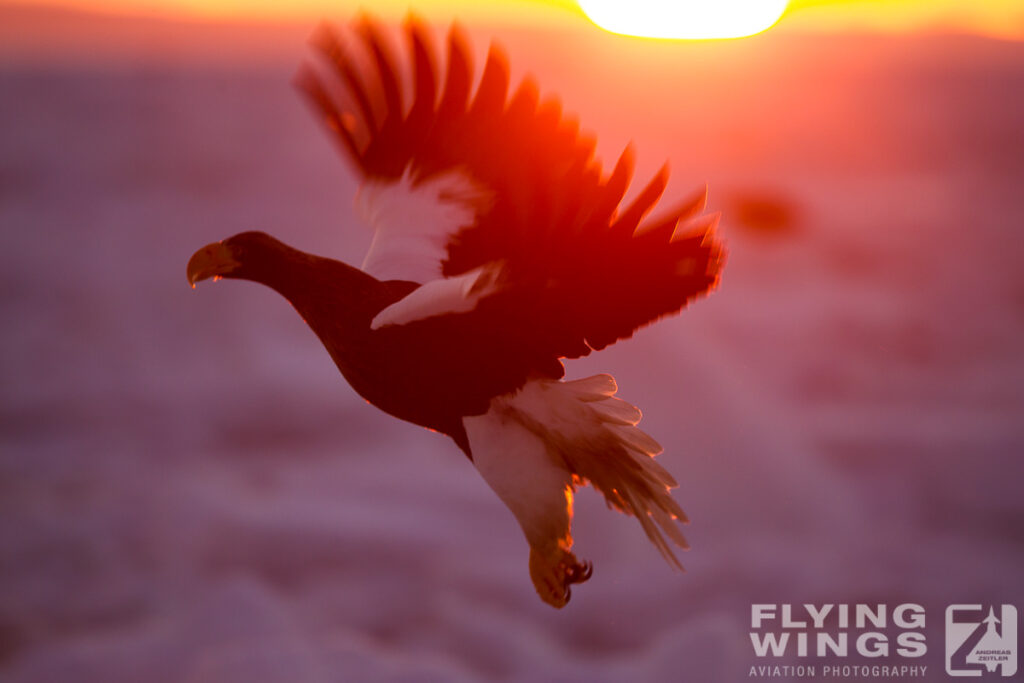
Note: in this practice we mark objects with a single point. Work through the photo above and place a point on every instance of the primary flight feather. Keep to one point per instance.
(500, 248)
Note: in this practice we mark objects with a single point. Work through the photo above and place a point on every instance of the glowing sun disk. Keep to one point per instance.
(693, 19)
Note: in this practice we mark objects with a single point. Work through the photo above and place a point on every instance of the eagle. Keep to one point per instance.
(500, 249)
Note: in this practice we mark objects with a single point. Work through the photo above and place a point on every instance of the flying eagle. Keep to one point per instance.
(500, 248)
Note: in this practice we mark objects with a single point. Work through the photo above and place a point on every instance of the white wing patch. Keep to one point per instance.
(413, 223)
(458, 294)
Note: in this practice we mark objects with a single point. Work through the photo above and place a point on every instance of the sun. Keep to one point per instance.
(692, 19)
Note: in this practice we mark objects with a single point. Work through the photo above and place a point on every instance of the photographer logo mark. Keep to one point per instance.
(981, 640)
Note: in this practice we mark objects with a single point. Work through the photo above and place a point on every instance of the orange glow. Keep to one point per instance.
(1000, 18)
(516, 11)
(996, 18)
(271, 31)
(691, 19)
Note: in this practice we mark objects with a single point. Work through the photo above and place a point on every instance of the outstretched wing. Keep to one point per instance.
(495, 204)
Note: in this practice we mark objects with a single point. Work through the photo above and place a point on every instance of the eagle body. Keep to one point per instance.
(431, 372)
(500, 249)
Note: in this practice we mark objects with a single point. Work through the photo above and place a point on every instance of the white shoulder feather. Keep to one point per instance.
(459, 294)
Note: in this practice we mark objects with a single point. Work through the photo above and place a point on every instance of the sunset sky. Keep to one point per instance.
(999, 18)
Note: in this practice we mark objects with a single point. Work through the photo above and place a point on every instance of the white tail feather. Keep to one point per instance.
(594, 388)
(592, 435)
(617, 411)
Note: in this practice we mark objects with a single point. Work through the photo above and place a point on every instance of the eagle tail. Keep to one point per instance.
(534, 446)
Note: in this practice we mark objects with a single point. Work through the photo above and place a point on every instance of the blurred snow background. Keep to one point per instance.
(189, 491)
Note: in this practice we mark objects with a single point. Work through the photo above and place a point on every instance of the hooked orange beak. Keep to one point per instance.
(213, 260)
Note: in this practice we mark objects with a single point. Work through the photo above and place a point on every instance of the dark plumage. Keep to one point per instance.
(501, 248)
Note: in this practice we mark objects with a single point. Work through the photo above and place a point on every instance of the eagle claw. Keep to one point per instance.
(553, 577)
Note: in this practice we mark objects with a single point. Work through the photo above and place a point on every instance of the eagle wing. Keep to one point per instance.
(494, 202)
